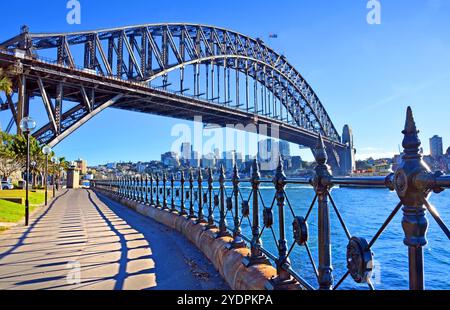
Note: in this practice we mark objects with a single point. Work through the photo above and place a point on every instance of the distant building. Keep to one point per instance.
(170, 159)
(111, 165)
(186, 152)
(447, 157)
(285, 149)
(141, 167)
(268, 154)
(229, 160)
(81, 165)
(296, 162)
(209, 161)
(436, 147)
(194, 162)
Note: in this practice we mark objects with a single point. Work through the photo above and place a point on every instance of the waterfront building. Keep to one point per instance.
(81, 165)
(268, 154)
(447, 158)
(209, 161)
(170, 159)
(285, 149)
(296, 163)
(436, 147)
(229, 159)
(186, 152)
(111, 165)
(140, 167)
(194, 162)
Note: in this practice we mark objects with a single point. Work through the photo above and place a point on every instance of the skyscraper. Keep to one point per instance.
(186, 152)
(285, 149)
(268, 154)
(436, 147)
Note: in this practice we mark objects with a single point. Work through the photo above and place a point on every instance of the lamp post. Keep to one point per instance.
(27, 125)
(46, 150)
(54, 160)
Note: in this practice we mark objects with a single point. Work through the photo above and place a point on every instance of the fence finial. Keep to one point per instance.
(255, 171)
(235, 172)
(222, 173)
(280, 175)
(182, 178)
(411, 142)
(200, 174)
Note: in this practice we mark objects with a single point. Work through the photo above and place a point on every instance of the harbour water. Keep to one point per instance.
(363, 211)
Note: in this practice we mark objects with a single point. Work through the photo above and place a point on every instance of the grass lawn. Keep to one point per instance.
(13, 212)
(36, 198)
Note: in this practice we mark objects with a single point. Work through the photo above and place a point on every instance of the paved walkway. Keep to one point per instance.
(104, 245)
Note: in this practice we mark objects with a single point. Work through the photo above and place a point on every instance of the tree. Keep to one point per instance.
(5, 82)
(9, 161)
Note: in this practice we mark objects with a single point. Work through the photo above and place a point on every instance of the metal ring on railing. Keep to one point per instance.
(229, 204)
(245, 208)
(300, 230)
(268, 217)
(216, 200)
(359, 260)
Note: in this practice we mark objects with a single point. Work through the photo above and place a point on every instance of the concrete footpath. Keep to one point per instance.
(86, 241)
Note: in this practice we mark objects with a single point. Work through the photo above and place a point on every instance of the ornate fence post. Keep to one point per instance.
(146, 190)
(191, 195)
(141, 189)
(182, 206)
(211, 223)
(256, 256)
(200, 216)
(283, 277)
(321, 183)
(135, 188)
(165, 191)
(158, 204)
(172, 188)
(129, 188)
(223, 232)
(238, 242)
(412, 183)
(152, 201)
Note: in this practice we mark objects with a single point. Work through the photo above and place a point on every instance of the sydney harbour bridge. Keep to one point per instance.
(173, 70)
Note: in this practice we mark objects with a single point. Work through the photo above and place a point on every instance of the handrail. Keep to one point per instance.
(412, 182)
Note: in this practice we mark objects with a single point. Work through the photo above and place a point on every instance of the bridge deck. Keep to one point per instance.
(115, 247)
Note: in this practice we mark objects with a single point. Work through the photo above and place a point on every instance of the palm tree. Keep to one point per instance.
(5, 82)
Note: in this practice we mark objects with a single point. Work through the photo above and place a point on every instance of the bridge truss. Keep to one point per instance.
(176, 70)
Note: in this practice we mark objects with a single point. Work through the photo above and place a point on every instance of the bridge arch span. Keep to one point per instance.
(119, 61)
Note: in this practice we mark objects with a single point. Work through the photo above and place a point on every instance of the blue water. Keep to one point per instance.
(364, 211)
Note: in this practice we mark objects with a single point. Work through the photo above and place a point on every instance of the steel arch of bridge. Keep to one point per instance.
(155, 50)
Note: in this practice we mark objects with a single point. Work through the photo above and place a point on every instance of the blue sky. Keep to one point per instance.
(366, 75)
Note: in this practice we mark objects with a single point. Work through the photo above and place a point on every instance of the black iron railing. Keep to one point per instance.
(225, 201)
